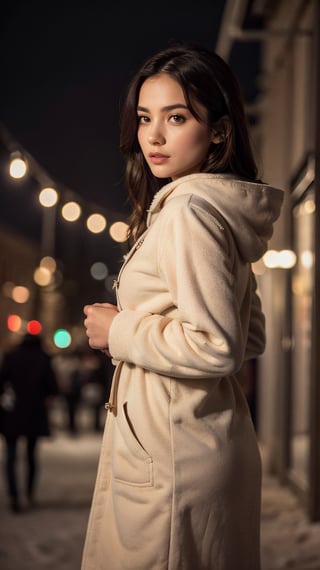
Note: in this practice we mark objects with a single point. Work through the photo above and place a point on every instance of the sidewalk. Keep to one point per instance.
(50, 537)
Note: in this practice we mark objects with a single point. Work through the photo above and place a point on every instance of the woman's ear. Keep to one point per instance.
(221, 130)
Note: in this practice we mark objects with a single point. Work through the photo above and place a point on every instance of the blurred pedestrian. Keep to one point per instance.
(27, 385)
(67, 369)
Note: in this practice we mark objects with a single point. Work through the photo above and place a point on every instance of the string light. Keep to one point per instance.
(119, 231)
(48, 197)
(21, 163)
(18, 167)
(96, 223)
(71, 211)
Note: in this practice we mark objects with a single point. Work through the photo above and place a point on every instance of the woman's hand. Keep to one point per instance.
(99, 317)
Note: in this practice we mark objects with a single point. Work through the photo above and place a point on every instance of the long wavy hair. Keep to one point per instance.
(207, 79)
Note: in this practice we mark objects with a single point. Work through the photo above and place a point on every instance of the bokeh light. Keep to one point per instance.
(119, 231)
(34, 327)
(96, 223)
(62, 338)
(42, 276)
(18, 168)
(48, 197)
(20, 294)
(307, 259)
(99, 270)
(71, 211)
(48, 263)
(14, 323)
(284, 259)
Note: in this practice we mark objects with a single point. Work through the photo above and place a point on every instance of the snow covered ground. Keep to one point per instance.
(50, 536)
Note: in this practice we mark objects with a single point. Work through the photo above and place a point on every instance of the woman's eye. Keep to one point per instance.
(177, 119)
(143, 119)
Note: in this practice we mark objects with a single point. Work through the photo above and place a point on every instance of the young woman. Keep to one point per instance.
(178, 484)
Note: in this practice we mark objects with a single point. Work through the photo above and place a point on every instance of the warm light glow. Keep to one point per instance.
(307, 259)
(48, 197)
(99, 271)
(14, 323)
(96, 223)
(119, 231)
(18, 168)
(42, 276)
(71, 211)
(297, 285)
(48, 263)
(309, 206)
(270, 259)
(286, 259)
(20, 294)
(34, 327)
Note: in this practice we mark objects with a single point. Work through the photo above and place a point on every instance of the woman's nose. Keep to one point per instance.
(156, 138)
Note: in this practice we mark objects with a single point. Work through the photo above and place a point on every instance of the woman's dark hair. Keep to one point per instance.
(207, 79)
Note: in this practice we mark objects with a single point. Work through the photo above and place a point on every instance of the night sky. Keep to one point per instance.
(66, 67)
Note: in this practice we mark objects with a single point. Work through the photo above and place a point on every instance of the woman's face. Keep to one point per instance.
(174, 143)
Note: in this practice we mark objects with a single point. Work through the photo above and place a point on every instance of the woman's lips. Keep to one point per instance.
(157, 158)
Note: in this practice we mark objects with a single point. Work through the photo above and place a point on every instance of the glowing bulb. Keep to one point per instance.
(119, 231)
(286, 259)
(71, 211)
(18, 168)
(42, 276)
(20, 294)
(48, 263)
(307, 259)
(96, 223)
(48, 197)
(271, 258)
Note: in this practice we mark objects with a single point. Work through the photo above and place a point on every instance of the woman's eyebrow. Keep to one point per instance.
(166, 108)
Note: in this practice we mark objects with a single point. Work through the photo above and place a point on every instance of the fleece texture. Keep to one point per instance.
(179, 477)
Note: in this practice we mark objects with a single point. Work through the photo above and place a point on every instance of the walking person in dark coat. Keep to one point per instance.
(27, 383)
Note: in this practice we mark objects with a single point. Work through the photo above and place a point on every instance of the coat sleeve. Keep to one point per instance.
(256, 340)
(205, 337)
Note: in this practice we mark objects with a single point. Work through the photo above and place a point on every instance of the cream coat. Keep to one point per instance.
(178, 485)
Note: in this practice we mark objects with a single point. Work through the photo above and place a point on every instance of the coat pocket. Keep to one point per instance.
(132, 464)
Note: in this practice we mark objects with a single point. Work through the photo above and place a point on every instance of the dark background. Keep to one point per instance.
(65, 69)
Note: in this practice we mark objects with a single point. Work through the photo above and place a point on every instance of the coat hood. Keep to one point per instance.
(249, 208)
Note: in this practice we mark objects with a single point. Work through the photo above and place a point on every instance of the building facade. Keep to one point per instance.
(286, 136)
